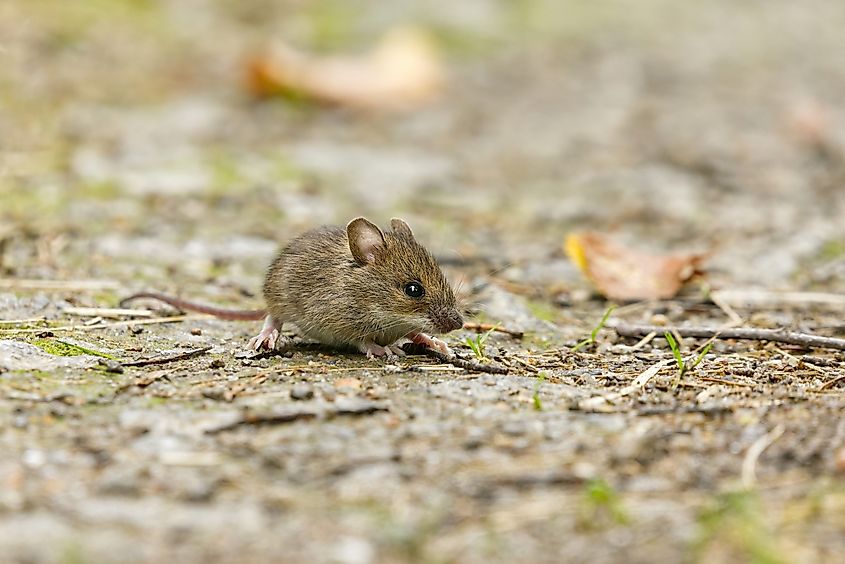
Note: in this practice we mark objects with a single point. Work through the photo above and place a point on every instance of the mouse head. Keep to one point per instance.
(408, 285)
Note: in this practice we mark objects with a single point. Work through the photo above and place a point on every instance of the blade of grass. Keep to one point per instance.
(538, 403)
(594, 333)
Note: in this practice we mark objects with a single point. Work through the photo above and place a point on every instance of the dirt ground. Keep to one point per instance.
(131, 158)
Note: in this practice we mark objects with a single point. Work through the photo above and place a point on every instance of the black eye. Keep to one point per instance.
(414, 289)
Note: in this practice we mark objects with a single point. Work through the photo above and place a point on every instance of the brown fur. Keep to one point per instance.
(317, 284)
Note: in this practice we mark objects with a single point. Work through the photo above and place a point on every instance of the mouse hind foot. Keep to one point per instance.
(372, 350)
(269, 336)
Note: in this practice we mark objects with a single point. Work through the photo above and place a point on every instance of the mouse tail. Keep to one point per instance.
(221, 313)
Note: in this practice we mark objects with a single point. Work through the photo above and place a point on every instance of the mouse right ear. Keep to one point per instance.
(365, 239)
(401, 228)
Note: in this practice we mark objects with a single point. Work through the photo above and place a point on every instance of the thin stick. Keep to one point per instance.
(749, 463)
(774, 335)
(720, 302)
(643, 342)
(166, 359)
(22, 321)
(638, 383)
(129, 323)
(828, 385)
(797, 361)
(112, 312)
(480, 327)
(470, 365)
(68, 285)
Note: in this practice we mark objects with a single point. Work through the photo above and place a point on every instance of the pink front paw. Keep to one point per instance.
(430, 342)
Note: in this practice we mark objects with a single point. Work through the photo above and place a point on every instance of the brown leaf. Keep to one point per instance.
(401, 72)
(622, 274)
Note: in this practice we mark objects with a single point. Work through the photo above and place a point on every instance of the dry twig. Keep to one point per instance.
(598, 402)
(107, 312)
(129, 323)
(831, 383)
(470, 365)
(749, 463)
(166, 359)
(774, 335)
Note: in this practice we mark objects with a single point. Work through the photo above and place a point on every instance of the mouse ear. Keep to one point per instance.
(365, 239)
(401, 228)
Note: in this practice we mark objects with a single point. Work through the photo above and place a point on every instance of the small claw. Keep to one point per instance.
(267, 337)
(373, 350)
(394, 350)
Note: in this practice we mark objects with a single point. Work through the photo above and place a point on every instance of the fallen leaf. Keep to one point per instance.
(623, 274)
(401, 72)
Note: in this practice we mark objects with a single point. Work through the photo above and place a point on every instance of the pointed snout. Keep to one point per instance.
(449, 320)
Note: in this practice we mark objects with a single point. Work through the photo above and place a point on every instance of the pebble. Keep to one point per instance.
(112, 366)
(302, 392)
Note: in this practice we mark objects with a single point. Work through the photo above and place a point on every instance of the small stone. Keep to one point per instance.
(111, 366)
(302, 392)
(20, 421)
(328, 393)
(514, 428)
(136, 329)
(216, 393)
(196, 331)
(376, 392)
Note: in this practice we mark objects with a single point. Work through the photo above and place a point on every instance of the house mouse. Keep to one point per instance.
(357, 287)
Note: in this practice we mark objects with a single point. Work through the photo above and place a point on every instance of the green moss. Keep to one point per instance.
(63, 348)
(832, 250)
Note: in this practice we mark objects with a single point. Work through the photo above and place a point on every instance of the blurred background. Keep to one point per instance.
(175, 144)
(154, 130)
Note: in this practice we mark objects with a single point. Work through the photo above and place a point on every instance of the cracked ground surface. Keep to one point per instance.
(132, 160)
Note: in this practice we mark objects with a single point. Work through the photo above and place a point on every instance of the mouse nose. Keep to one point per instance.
(450, 321)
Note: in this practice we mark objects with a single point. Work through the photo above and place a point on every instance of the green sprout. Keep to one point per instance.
(592, 338)
(684, 366)
(477, 344)
(602, 506)
(538, 403)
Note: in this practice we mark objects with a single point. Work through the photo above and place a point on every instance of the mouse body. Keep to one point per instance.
(357, 287)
